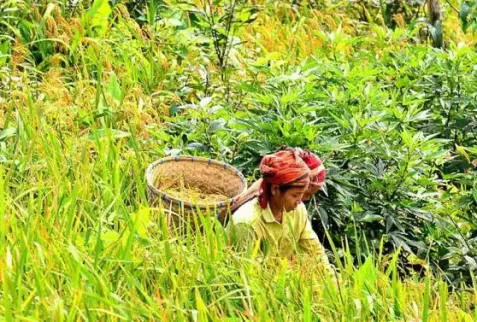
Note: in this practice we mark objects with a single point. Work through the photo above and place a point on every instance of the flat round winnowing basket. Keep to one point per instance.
(205, 175)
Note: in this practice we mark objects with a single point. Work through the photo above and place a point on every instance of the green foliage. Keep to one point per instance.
(143, 11)
(392, 136)
(468, 15)
(11, 12)
(390, 13)
(91, 92)
(96, 18)
(394, 143)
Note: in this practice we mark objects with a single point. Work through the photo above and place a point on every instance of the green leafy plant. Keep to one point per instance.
(468, 15)
(90, 96)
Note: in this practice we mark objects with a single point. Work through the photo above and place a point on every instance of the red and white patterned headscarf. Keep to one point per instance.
(284, 168)
(317, 170)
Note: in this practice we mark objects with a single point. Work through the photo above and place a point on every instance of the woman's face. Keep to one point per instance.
(288, 200)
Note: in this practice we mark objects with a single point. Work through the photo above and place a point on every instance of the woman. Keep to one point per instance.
(277, 218)
(317, 179)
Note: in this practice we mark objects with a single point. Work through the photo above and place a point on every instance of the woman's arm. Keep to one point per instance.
(310, 244)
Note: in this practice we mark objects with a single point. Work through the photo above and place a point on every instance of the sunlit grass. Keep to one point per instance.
(81, 243)
(79, 239)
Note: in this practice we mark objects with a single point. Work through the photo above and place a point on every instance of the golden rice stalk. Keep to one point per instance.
(51, 28)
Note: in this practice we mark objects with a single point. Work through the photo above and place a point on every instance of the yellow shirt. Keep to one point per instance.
(294, 235)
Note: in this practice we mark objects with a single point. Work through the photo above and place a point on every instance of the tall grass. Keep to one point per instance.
(79, 241)
(81, 244)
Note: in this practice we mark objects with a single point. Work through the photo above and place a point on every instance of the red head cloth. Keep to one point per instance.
(282, 168)
(317, 170)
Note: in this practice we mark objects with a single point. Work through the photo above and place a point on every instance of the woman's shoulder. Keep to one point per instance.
(301, 213)
(248, 213)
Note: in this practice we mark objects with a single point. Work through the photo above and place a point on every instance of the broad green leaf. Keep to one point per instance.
(98, 16)
(370, 218)
(217, 125)
(75, 253)
(464, 14)
(196, 146)
(141, 220)
(8, 133)
(4, 51)
(114, 89)
(461, 150)
(110, 237)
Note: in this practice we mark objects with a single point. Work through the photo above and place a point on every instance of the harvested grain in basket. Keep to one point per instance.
(190, 192)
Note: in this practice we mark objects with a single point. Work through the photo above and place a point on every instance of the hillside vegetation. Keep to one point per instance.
(92, 92)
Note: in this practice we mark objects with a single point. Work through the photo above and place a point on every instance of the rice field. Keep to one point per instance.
(88, 99)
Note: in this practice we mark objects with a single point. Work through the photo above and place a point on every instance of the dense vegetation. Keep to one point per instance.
(92, 91)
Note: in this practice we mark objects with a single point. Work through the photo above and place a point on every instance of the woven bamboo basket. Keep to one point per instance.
(206, 175)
